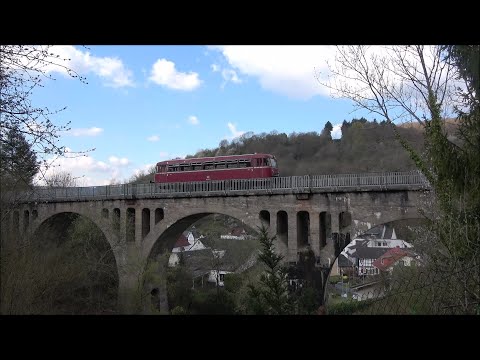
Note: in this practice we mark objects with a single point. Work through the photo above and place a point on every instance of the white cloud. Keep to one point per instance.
(193, 120)
(288, 70)
(118, 161)
(153, 138)
(293, 70)
(93, 131)
(145, 169)
(165, 155)
(78, 166)
(234, 132)
(164, 73)
(337, 131)
(89, 171)
(230, 75)
(110, 69)
(227, 74)
(102, 166)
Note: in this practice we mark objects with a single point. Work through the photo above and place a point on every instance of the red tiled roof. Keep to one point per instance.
(237, 231)
(390, 257)
(181, 241)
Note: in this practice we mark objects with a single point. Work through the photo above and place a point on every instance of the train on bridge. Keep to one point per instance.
(247, 166)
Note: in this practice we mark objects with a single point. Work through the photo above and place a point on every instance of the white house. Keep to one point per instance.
(185, 242)
(364, 250)
(212, 276)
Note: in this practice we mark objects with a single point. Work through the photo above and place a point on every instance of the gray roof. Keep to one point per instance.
(343, 261)
(368, 252)
(199, 261)
(388, 233)
(359, 244)
(377, 230)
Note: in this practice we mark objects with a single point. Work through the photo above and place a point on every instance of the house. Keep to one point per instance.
(200, 262)
(212, 277)
(185, 242)
(384, 236)
(394, 257)
(343, 266)
(237, 233)
(363, 258)
(381, 237)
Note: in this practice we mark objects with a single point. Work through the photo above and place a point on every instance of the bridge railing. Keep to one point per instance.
(305, 183)
(369, 179)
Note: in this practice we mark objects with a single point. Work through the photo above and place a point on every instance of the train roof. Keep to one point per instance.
(215, 158)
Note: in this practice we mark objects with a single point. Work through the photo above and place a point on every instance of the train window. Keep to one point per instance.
(220, 165)
(232, 164)
(260, 162)
(209, 166)
(197, 167)
(272, 163)
(244, 163)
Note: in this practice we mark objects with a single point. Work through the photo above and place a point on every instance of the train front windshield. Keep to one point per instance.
(273, 163)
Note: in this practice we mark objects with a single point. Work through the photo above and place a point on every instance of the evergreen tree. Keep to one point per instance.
(271, 297)
(327, 131)
(18, 163)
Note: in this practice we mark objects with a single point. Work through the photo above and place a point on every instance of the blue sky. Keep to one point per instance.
(144, 104)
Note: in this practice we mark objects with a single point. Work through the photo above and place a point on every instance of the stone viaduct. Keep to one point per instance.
(141, 221)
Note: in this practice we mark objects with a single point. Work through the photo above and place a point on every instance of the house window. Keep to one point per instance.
(222, 277)
(384, 243)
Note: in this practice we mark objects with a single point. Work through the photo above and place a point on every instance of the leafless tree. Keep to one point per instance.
(394, 82)
(22, 70)
(61, 179)
(417, 83)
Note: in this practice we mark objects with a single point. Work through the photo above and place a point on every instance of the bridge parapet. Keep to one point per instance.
(412, 180)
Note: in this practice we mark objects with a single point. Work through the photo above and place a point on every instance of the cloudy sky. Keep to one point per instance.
(144, 104)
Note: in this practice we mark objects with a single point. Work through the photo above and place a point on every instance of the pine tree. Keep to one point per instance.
(271, 297)
(18, 163)
(327, 130)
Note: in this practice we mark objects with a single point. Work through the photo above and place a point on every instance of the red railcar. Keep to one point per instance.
(248, 166)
